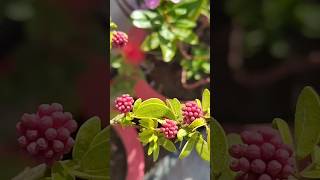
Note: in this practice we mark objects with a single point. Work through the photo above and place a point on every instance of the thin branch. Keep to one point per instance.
(184, 52)
(192, 85)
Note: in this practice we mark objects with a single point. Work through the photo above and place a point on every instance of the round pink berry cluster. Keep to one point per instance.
(124, 103)
(119, 39)
(191, 111)
(263, 156)
(46, 134)
(169, 129)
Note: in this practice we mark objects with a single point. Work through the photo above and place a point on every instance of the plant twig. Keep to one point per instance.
(192, 85)
(184, 52)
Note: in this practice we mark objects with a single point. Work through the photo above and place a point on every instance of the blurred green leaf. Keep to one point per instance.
(188, 147)
(307, 119)
(284, 130)
(219, 157)
(151, 42)
(167, 144)
(85, 135)
(202, 149)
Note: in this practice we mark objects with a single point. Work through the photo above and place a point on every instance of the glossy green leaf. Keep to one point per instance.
(85, 175)
(34, 173)
(206, 100)
(167, 144)
(192, 39)
(168, 50)
(233, 139)
(181, 133)
(165, 33)
(175, 106)
(58, 172)
(148, 123)
(85, 135)
(136, 104)
(219, 157)
(146, 135)
(316, 155)
(156, 150)
(138, 15)
(151, 42)
(102, 136)
(284, 130)
(153, 101)
(197, 123)
(307, 119)
(154, 110)
(202, 148)
(97, 157)
(188, 147)
(185, 23)
(144, 24)
(312, 172)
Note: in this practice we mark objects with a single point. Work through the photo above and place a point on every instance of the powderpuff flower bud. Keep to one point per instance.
(45, 135)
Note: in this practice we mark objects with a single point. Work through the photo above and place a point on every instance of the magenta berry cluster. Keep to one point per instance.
(169, 129)
(191, 111)
(124, 103)
(263, 156)
(119, 39)
(46, 134)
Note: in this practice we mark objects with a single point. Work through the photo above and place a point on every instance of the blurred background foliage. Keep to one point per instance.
(265, 52)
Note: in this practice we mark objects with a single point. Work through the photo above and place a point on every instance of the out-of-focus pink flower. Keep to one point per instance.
(132, 51)
(152, 4)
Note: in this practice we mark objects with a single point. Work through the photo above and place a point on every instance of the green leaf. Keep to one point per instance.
(312, 172)
(138, 15)
(316, 155)
(151, 42)
(166, 34)
(136, 104)
(168, 50)
(181, 133)
(152, 101)
(185, 23)
(86, 175)
(96, 158)
(144, 24)
(85, 135)
(102, 136)
(192, 39)
(58, 172)
(307, 119)
(156, 150)
(233, 139)
(34, 173)
(206, 100)
(187, 148)
(175, 106)
(203, 149)
(154, 110)
(148, 123)
(197, 123)
(167, 144)
(146, 136)
(219, 157)
(198, 103)
(284, 130)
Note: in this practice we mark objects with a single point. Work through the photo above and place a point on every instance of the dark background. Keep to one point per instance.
(50, 51)
(268, 82)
